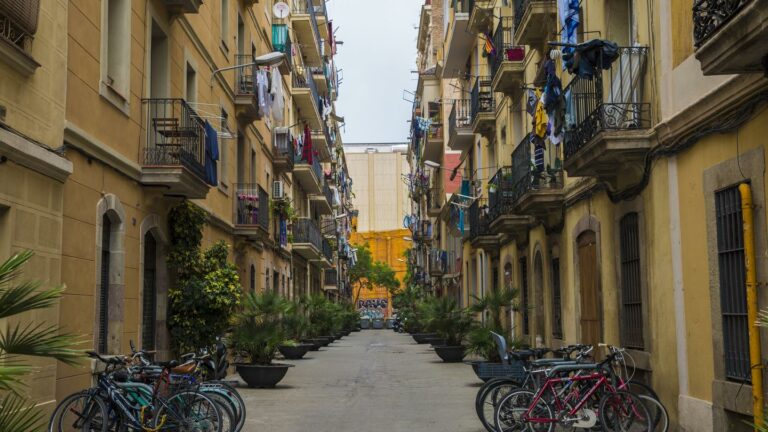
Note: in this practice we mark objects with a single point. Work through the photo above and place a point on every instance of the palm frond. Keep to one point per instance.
(12, 266)
(40, 340)
(18, 415)
(11, 377)
(25, 297)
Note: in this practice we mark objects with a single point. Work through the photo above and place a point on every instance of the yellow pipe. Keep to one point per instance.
(754, 334)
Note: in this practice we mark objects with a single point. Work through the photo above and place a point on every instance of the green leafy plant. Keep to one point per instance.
(207, 289)
(284, 209)
(323, 315)
(259, 329)
(368, 273)
(443, 316)
(407, 302)
(490, 310)
(33, 338)
(295, 322)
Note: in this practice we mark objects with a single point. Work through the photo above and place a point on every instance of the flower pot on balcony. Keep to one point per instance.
(451, 354)
(294, 352)
(262, 376)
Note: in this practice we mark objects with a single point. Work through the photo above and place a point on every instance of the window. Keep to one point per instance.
(191, 86)
(224, 23)
(149, 297)
(159, 60)
(733, 300)
(253, 277)
(253, 166)
(631, 290)
(116, 45)
(524, 288)
(106, 232)
(240, 35)
(557, 312)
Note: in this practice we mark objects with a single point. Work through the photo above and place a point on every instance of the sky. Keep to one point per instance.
(377, 57)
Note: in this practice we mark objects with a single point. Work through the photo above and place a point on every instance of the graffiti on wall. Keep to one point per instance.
(373, 308)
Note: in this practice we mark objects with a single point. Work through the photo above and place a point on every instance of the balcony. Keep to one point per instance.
(309, 174)
(306, 97)
(327, 253)
(458, 41)
(307, 32)
(282, 150)
(534, 20)
(323, 202)
(18, 25)
(434, 202)
(328, 226)
(483, 107)
(252, 212)
(730, 36)
(480, 15)
(281, 42)
(608, 121)
(501, 202)
(509, 61)
(538, 191)
(321, 141)
(460, 135)
(433, 149)
(246, 101)
(438, 261)
(183, 6)
(173, 156)
(307, 240)
(320, 76)
(422, 231)
(331, 280)
(480, 234)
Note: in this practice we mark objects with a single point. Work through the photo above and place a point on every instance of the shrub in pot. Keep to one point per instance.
(295, 325)
(452, 323)
(257, 334)
(493, 306)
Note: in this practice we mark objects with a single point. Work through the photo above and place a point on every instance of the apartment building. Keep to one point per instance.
(619, 219)
(112, 112)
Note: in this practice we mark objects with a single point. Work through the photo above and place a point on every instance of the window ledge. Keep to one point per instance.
(115, 98)
(24, 152)
(224, 188)
(18, 59)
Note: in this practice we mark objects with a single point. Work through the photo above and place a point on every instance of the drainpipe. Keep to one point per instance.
(754, 333)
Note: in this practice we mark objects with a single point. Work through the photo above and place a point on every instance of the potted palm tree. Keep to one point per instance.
(320, 314)
(452, 323)
(256, 337)
(295, 325)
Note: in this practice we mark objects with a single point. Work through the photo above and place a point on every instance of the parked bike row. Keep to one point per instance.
(565, 389)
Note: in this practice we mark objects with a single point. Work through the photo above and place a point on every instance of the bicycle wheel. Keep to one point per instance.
(80, 412)
(189, 411)
(641, 389)
(490, 399)
(623, 411)
(510, 411)
(658, 413)
(235, 399)
(228, 416)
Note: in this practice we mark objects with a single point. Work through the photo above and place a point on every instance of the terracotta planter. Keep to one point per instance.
(294, 352)
(451, 354)
(262, 376)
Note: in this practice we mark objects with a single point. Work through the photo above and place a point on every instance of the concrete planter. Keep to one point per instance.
(378, 323)
(420, 337)
(365, 323)
(294, 352)
(262, 376)
(451, 354)
(435, 341)
(315, 343)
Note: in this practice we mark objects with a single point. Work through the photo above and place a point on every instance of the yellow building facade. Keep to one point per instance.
(624, 229)
(388, 247)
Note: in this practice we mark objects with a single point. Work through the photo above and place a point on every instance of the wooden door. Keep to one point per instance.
(591, 325)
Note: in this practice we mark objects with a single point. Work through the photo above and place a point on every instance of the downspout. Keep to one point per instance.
(754, 332)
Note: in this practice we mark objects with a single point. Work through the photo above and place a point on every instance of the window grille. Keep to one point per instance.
(557, 313)
(106, 228)
(149, 300)
(631, 291)
(524, 288)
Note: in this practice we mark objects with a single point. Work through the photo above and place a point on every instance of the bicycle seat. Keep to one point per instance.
(168, 364)
(186, 368)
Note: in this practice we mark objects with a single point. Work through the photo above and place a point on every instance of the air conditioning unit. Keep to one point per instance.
(278, 190)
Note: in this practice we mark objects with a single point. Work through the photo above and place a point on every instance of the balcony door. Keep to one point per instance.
(589, 289)
(158, 63)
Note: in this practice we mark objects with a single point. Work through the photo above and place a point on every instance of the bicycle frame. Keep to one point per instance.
(600, 381)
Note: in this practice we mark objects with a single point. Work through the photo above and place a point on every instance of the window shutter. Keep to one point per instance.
(23, 13)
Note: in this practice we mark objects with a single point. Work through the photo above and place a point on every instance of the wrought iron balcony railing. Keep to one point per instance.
(245, 77)
(479, 218)
(442, 262)
(305, 80)
(306, 7)
(462, 6)
(283, 149)
(506, 50)
(710, 15)
(328, 226)
(612, 100)
(18, 21)
(545, 172)
(317, 169)
(501, 189)
(482, 97)
(175, 136)
(281, 39)
(327, 250)
(328, 193)
(331, 277)
(305, 230)
(422, 231)
(520, 7)
(460, 117)
(434, 199)
(252, 205)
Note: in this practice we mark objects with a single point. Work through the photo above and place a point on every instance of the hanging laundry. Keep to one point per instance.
(568, 11)
(211, 154)
(591, 56)
(538, 153)
(306, 154)
(530, 105)
(283, 232)
(540, 119)
(262, 86)
(278, 101)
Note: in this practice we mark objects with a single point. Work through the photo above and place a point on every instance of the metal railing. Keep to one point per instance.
(245, 77)
(328, 193)
(422, 231)
(543, 171)
(331, 277)
(710, 15)
(305, 80)
(479, 218)
(482, 97)
(328, 226)
(520, 7)
(306, 7)
(460, 116)
(305, 230)
(327, 250)
(503, 43)
(501, 191)
(434, 199)
(283, 148)
(317, 169)
(18, 21)
(252, 205)
(612, 100)
(175, 136)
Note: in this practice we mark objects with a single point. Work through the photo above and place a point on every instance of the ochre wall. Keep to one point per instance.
(388, 247)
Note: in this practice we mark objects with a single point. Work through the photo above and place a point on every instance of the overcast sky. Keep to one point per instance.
(377, 58)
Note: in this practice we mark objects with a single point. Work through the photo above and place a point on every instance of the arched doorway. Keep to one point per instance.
(589, 289)
(538, 293)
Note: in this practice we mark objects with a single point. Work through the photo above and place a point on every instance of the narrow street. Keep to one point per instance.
(370, 380)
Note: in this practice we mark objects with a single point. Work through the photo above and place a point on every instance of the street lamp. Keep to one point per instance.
(408, 239)
(269, 59)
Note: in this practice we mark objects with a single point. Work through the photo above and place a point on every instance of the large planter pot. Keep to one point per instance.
(315, 343)
(365, 323)
(294, 352)
(326, 340)
(262, 376)
(378, 323)
(435, 341)
(450, 354)
(389, 323)
(421, 337)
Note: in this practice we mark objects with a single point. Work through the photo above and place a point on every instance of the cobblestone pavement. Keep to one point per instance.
(373, 380)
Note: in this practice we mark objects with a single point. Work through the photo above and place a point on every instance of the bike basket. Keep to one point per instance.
(494, 370)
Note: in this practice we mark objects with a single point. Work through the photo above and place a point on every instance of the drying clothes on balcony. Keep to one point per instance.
(276, 91)
(283, 232)
(262, 87)
(568, 11)
(591, 56)
(538, 153)
(533, 99)
(306, 153)
(211, 154)
(540, 118)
